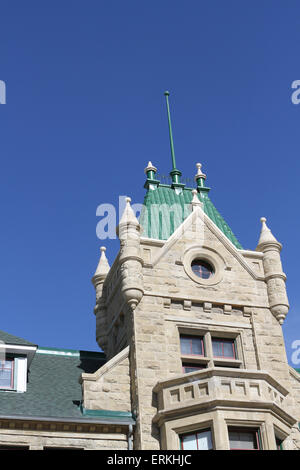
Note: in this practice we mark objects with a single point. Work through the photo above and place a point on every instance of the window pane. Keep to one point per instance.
(188, 369)
(198, 441)
(5, 365)
(242, 440)
(191, 345)
(223, 348)
(185, 344)
(204, 440)
(197, 346)
(189, 442)
(228, 349)
(217, 348)
(278, 443)
(192, 367)
(6, 374)
(202, 269)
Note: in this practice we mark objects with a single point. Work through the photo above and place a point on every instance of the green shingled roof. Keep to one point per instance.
(157, 222)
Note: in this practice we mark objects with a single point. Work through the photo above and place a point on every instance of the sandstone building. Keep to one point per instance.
(190, 327)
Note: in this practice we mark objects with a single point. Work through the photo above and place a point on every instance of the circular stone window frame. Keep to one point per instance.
(211, 257)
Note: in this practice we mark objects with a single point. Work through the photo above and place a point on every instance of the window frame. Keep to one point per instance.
(256, 432)
(191, 337)
(12, 374)
(19, 373)
(279, 443)
(207, 358)
(192, 365)
(205, 264)
(222, 341)
(195, 433)
(209, 256)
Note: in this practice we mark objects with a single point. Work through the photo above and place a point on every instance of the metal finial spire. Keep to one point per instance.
(170, 132)
(175, 174)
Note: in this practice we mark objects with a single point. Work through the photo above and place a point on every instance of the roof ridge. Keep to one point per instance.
(69, 352)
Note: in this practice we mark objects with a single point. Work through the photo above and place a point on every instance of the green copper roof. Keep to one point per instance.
(126, 416)
(159, 222)
(167, 206)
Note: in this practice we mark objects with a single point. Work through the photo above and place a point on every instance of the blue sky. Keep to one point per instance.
(85, 112)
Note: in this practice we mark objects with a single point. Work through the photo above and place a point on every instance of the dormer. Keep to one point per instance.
(16, 355)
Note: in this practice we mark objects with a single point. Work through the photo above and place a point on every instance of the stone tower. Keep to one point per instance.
(190, 323)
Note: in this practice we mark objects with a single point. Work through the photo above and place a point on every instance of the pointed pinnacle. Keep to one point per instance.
(266, 236)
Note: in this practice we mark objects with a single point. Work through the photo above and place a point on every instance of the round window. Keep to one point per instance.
(202, 269)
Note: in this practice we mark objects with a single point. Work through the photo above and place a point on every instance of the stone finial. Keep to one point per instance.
(195, 201)
(103, 266)
(128, 216)
(151, 182)
(199, 173)
(266, 236)
(150, 167)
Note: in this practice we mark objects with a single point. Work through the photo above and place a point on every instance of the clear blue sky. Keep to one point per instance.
(85, 112)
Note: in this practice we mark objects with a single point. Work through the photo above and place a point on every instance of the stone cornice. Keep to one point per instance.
(223, 301)
(294, 373)
(215, 404)
(190, 321)
(208, 389)
(66, 425)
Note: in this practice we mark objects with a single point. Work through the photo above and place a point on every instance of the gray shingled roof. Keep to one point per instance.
(11, 339)
(53, 389)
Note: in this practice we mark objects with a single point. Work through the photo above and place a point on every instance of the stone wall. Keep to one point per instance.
(173, 302)
(109, 387)
(165, 299)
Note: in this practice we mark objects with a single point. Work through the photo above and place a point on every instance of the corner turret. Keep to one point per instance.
(274, 275)
(100, 308)
(130, 259)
